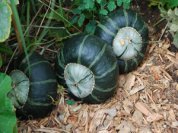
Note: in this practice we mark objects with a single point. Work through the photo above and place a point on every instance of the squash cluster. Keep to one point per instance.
(87, 65)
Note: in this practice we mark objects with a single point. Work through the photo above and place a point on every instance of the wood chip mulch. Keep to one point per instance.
(146, 101)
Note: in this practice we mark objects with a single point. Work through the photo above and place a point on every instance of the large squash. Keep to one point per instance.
(127, 33)
(87, 66)
(35, 87)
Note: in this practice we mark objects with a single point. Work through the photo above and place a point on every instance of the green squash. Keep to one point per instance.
(88, 68)
(127, 33)
(35, 87)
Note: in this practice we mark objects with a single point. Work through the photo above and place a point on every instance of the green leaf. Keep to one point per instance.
(171, 14)
(176, 11)
(111, 6)
(15, 1)
(59, 16)
(5, 49)
(7, 111)
(175, 40)
(103, 4)
(167, 4)
(70, 102)
(89, 4)
(98, 1)
(59, 33)
(126, 4)
(103, 12)
(172, 3)
(76, 11)
(173, 27)
(74, 19)
(81, 20)
(119, 2)
(172, 18)
(5, 20)
(0, 61)
(90, 27)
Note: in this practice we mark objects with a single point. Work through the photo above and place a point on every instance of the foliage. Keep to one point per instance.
(70, 102)
(5, 26)
(0, 60)
(5, 21)
(78, 13)
(172, 18)
(87, 11)
(4, 49)
(167, 4)
(175, 41)
(169, 12)
(7, 111)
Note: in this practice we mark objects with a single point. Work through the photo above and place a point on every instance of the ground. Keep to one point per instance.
(146, 100)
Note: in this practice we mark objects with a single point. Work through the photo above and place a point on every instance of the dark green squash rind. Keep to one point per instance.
(43, 87)
(119, 19)
(95, 54)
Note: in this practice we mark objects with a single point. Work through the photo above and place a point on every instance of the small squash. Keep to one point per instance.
(88, 68)
(127, 33)
(35, 87)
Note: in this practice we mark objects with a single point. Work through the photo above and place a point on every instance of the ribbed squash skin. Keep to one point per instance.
(95, 54)
(43, 87)
(109, 26)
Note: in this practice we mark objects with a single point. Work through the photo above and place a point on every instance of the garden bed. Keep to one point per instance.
(146, 99)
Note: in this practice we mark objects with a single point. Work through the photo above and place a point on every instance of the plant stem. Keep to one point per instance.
(18, 28)
(159, 21)
(47, 23)
(44, 31)
(33, 6)
(19, 32)
(28, 20)
(163, 32)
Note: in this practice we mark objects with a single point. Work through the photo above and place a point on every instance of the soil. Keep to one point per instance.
(146, 100)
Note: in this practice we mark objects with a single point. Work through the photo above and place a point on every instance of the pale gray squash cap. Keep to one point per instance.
(20, 88)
